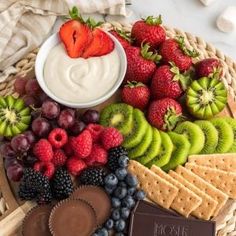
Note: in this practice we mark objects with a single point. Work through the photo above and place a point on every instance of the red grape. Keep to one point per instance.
(41, 127)
(20, 143)
(50, 109)
(10, 162)
(7, 151)
(15, 172)
(29, 160)
(30, 101)
(77, 128)
(90, 116)
(30, 136)
(19, 85)
(66, 118)
(32, 87)
(42, 97)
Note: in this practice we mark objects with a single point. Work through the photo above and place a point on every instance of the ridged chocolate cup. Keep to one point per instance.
(97, 197)
(72, 217)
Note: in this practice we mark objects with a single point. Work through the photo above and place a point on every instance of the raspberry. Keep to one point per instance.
(59, 158)
(111, 137)
(58, 137)
(43, 150)
(75, 165)
(68, 148)
(46, 168)
(95, 131)
(98, 154)
(82, 144)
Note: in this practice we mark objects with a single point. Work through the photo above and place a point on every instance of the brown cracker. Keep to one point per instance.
(157, 189)
(225, 181)
(208, 205)
(203, 185)
(225, 161)
(186, 201)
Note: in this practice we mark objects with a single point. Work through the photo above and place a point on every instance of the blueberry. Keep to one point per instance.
(110, 189)
(119, 234)
(115, 202)
(115, 214)
(131, 180)
(120, 192)
(122, 184)
(121, 173)
(119, 225)
(111, 180)
(124, 213)
(109, 224)
(123, 161)
(101, 232)
(140, 195)
(128, 202)
(131, 191)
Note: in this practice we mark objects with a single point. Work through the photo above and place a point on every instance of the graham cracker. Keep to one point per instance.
(203, 185)
(157, 189)
(186, 200)
(225, 181)
(226, 162)
(208, 205)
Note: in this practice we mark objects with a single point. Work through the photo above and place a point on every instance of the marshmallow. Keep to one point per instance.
(207, 2)
(226, 22)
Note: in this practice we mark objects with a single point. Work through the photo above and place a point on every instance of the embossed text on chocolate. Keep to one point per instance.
(161, 229)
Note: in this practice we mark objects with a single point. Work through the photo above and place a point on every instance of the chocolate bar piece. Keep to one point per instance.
(150, 208)
(154, 225)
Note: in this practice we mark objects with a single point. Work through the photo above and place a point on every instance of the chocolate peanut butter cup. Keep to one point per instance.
(36, 221)
(72, 217)
(98, 198)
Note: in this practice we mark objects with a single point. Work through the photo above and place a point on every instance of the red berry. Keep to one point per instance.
(58, 137)
(46, 168)
(75, 165)
(111, 137)
(100, 154)
(59, 158)
(82, 144)
(68, 148)
(95, 131)
(43, 150)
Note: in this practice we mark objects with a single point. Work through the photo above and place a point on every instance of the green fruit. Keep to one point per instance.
(194, 134)
(180, 152)
(211, 136)
(232, 123)
(14, 116)
(118, 115)
(140, 149)
(153, 148)
(225, 135)
(164, 155)
(206, 97)
(139, 128)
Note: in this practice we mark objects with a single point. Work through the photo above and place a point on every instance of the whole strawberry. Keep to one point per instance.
(122, 37)
(168, 82)
(209, 67)
(175, 50)
(149, 31)
(164, 114)
(140, 64)
(136, 94)
(43, 150)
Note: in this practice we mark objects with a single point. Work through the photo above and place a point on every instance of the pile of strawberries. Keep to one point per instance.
(89, 148)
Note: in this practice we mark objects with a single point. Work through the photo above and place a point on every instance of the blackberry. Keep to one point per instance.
(35, 186)
(62, 185)
(113, 157)
(93, 176)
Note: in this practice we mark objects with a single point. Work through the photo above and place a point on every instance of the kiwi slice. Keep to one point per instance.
(164, 155)
(118, 115)
(140, 149)
(232, 123)
(139, 128)
(211, 136)
(225, 135)
(14, 116)
(194, 134)
(180, 152)
(153, 148)
(206, 97)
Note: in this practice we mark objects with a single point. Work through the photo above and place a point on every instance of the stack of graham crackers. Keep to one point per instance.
(200, 189)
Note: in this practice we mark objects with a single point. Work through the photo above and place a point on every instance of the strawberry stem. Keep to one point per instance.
(191, 53)
(133, 84)
(171, 119)
(125, 35)
(149, 55)
(151, 20)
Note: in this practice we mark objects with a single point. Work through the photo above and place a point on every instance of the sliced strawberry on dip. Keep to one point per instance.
(75, 37)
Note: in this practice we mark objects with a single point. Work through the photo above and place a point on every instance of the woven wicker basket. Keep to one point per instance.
(12, 211)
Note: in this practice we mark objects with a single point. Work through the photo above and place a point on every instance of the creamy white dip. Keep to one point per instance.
(78, 79)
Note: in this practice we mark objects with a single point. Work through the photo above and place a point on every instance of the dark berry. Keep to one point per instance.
(131, 191)
(128, 202)
(119, 234)
(124, 212)
(139, 195)
(123, 161)
(113, 157)
(131, 180)
(122, 184)
(110, 189)
(121, 173)
(120, 192)
(111, 180)
(101, 232)
(115, 214)
(115, 202)
(119, 225)
(109, 224)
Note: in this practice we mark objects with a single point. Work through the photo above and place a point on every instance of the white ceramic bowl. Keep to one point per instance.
(51, 42)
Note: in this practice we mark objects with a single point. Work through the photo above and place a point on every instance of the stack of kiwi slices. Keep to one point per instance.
(167, 150)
